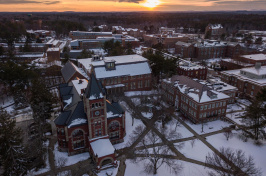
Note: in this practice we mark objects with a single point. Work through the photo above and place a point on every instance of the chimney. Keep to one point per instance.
(257, 65)
(80, 81)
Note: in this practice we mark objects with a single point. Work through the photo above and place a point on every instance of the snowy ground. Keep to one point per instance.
(135, 93)
(235, 107)
(209, 126)
(136, 101)
(258, 152)
(193, 151)
(236, 117)
(188, 169)
(129, 129)
(174, 124)
(70, 159)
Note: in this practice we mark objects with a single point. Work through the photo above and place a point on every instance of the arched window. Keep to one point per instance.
(77, 133)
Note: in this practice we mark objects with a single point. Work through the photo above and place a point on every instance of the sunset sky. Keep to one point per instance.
(129, 5)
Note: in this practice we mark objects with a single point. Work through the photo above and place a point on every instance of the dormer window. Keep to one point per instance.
(110, 65)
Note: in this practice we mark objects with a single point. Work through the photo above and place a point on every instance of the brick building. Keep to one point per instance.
(185, 50)
(195, 100)
(215, 30)
(119, 73)
(88, 35)
(249, 81)
(210, 49)
(191, 70)
(167, 40)
(89, 122)
(53, 54)
(207, 49)
(243, 61)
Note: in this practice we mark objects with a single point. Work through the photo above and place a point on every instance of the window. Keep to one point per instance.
(219, 111)
(251, 93)
(217, 105)
(253, 87)
(78, 144)
(119, 79)
(221, 104)
(213, 105)
(205, 107)
(77, 133)
(201, 107)
(140, 84)
(133, 85)
(223, 111)
(209, 106)
(224, 103)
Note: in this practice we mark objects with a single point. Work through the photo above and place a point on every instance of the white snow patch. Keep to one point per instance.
(77, 122)
(70, 159)
(147, 115)
(102, 147)
(136, 93)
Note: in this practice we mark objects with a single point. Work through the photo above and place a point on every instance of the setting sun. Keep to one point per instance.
(151, 3)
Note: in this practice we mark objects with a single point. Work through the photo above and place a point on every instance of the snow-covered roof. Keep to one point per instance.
(255, 57)
(125, 59)
(238, 62)
(187, 65)
(210, 44)
(123, 70)
(102, 147)
(79, 85)
(53, 49)
(259, 72)
(199, 92)
(216, 26)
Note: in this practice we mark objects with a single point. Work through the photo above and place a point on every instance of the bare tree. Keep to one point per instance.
(245, 165)
(153, 155)
(228, 133)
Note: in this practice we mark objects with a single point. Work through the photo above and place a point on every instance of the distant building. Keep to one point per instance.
(249, 81)
(89, 122)
(195, 100)
(210, 49)
(243, 61)
(88, 35)
(214, 30)
(192, 70)
(185, 50)
(53, 54)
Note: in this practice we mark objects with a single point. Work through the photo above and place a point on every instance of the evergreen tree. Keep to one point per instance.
(12, 154)
(41, 104)
(255, 119)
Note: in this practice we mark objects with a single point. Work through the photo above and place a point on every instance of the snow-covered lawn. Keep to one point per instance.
(258, 152)
(209, 126)
(70, 159)
(147, 115)
(193, 152)
(135, 93)
(129, 129)
(236, 117)
(189, 169)
(174, 124)
(235, 107)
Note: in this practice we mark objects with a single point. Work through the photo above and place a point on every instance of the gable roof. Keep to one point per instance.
(75, 116)
(94, 89)
(64, 89)
(114, 110)
(70, 69)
